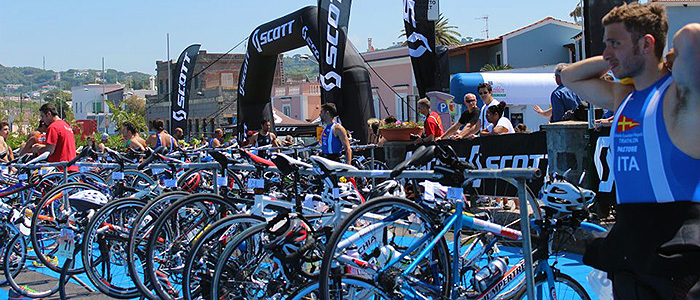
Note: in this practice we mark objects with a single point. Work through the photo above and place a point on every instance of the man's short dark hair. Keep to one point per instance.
(485, 85)
(3, 124)
(265, 121)
(330, 107)
(158, 124)
(49, 108)
(130, 127)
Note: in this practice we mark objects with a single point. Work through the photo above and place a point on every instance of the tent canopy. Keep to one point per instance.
(286, 125)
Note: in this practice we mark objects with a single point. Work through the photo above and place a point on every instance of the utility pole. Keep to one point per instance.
(486, 24)
(170, 82)
(104, 94)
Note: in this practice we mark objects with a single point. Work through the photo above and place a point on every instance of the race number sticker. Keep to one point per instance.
(336, 193)
(66, 243)
(156, 171)
(118, 176)
(454, 193)
(170, 183)
(43, 171)
(256, 183)
(221, 180)
(84, 169)
(22, 176)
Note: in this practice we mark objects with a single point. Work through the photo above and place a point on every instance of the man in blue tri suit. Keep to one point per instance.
(653, 250)
(334, 136)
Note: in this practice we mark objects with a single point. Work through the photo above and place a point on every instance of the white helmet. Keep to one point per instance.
(90, 196)
(564, 197)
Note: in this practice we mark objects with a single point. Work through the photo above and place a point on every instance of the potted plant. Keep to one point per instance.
(400, 131)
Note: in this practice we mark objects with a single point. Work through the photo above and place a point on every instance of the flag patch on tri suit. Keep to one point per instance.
(625, 123)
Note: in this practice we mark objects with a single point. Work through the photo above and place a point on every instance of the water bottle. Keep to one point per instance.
(600, 284)
(488, 275)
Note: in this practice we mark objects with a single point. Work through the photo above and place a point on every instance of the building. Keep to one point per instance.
(397, 93)
(545, 42)
(88, 103)
(680, 13)
(298, 100)
(213, 92)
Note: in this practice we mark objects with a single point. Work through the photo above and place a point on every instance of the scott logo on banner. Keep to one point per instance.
(417, 43)
(182, 87)
(332, 37)
(310, 42)
(271, 35)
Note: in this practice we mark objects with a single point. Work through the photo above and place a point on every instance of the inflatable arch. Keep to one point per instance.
(289, 32)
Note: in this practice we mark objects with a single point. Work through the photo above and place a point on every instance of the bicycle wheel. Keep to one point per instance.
(104, 248)
(206, 251)
(565, 287)
(352, 287)
(379, 240)
(172, 236)
(53, 213)
(29, 282)
(138, 239)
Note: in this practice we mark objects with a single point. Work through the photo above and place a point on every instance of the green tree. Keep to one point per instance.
(490, 67)
(445, 34)
(119, 116)
(134, 104)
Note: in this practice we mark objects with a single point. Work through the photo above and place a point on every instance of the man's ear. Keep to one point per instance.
(648, 43)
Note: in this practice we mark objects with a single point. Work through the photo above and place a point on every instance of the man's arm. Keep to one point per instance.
(685, 115)
(583, 78)
(452, 130)
(340, 132)
(275, 142)
(544, 113)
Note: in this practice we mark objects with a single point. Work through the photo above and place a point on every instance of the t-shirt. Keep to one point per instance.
(470, 117)
(503, 121)
(433, 125)
(563, 99)
(482, 115)
(60, 135)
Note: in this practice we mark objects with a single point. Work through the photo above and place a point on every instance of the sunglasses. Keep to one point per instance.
(468, 101)
(484, 93)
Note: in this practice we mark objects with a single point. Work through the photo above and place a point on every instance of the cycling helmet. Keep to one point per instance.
(89, 199)
(287, 236)
(564, 197)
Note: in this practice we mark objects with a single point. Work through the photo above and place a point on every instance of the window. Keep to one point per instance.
(287, 109)
(227, 80)
(377, 102)
(498, 58)
(401, 107)
(97, 107)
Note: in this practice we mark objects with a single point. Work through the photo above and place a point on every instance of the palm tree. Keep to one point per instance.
(444, 34)
(490, 67)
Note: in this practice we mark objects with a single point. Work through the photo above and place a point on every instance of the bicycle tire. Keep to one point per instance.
(137, 239)
(578, 292)
(213, 233)
(24, 290)
(173, 215)
(310, 290)
(398, 209)
(113, 239)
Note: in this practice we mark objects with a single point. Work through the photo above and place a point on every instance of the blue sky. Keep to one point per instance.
(131, 35)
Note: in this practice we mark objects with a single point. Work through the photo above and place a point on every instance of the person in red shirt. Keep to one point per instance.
(432, 125)
(60, 141)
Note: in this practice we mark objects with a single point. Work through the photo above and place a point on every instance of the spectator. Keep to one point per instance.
(132, 138)
(521, 128)
(179, 134)
(498, 123)
(103, 142)
(373, 135)
(4, 133)
(288, 141)
(433, 124)
(161, 137)
(37, 137)
(216, 141)
(485, 92)
(562, 99)
(469, 118)
(60, 142)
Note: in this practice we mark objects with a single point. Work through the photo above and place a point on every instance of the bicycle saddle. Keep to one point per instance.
(257, 160)
(422, 155)
(287, 164)
(329, 166)
(221, 158)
